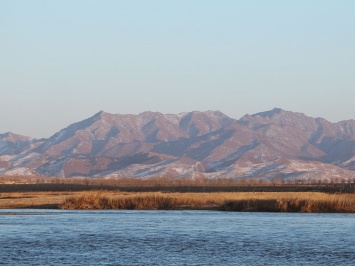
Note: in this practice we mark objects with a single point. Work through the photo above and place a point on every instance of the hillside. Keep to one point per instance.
(267, 145)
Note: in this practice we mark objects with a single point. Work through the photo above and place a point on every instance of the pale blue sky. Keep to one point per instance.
(63, 61)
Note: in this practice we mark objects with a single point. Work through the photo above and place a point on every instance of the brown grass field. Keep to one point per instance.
(35, 200)
(173, 194)
(224, 201)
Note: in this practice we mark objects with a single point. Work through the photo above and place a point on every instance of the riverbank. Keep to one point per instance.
(225, 201)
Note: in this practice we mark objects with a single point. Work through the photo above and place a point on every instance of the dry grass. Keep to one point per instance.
(15, 200)
(227, 201)
(293, 202)
(137, 201)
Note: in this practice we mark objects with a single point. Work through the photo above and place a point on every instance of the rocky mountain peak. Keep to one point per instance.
(9, 136)
(11, 143)
(270, 113)
(281, 117)
(103, 115)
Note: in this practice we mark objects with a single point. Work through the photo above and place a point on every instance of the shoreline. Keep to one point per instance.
(307, 202)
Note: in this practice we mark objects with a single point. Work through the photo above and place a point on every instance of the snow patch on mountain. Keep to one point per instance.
(21, 171)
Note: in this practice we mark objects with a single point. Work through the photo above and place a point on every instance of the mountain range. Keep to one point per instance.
(266, 145)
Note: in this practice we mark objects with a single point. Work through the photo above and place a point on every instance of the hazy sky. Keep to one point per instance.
(63, 61)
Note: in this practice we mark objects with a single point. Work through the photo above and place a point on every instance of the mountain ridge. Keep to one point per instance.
(263, 145)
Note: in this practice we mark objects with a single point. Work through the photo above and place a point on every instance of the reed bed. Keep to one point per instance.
(136, 201)
(225, 201)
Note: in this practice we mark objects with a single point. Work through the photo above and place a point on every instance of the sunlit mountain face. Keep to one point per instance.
(266, 145)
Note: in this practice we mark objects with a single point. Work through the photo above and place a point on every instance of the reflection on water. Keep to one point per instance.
(42, 237)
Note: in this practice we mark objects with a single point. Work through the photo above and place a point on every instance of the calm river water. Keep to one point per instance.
(56, 237)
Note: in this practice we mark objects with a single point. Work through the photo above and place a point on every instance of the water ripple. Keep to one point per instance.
(175, 238)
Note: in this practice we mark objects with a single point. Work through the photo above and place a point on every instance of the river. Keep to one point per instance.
(58, 237)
